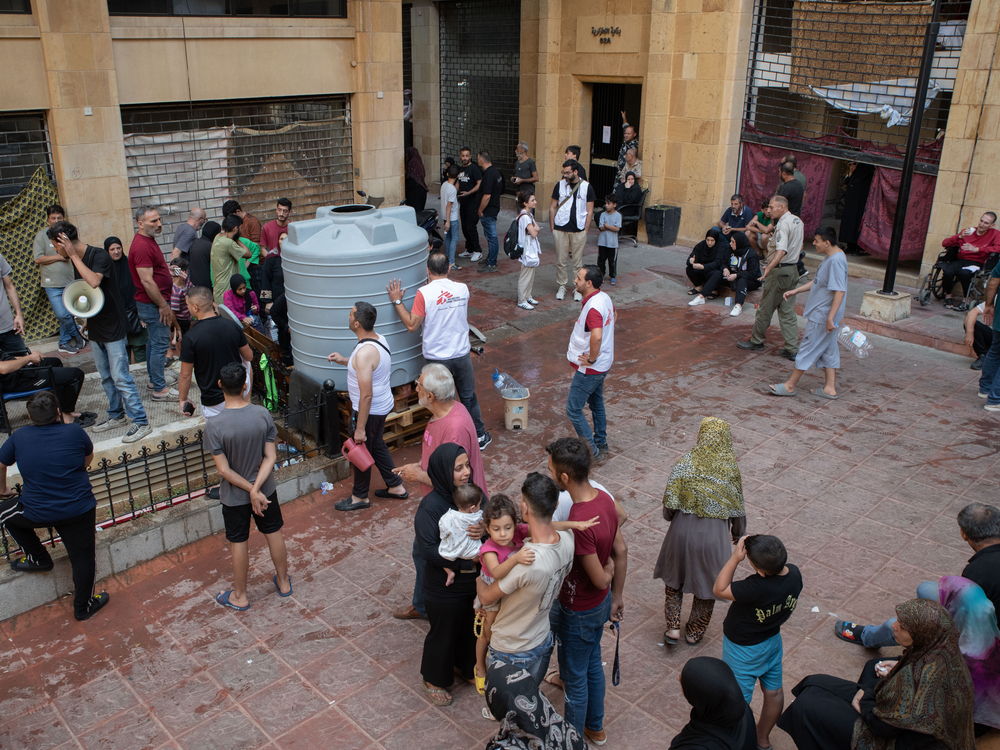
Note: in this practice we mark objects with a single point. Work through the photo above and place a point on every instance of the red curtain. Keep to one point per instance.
(759, 179)
(876, 226)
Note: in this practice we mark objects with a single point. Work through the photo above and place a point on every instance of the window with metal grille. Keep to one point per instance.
(271, 8)
(407, 46)
(839, 77)
(255, 152)
(24, 147)
(480, 48)
(15, 6)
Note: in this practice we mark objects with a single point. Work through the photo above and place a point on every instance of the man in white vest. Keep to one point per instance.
(441, 306)
(368, 369)
(591, 353)
(570, 214)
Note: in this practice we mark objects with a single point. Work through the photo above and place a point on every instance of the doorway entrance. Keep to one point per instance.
(609, 100)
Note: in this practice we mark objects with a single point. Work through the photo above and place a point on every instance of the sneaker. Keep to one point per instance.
(697, 300)
(93, 606)
(977, 365)
(561, 293)
(595, 736)
(991, 407)
(484, 440)
(533, 301)
(465, 254)
(803, 276)
(983, 395)
(136, 432)
(167, 394)
(735, 312)
(168, 377)
(487, 269)
(111, 423)
(69, 349)
(455, 267)
(29, 564)
(525, 306)
(750, 345)
(578, 297)
(474, 258)
(614, 281)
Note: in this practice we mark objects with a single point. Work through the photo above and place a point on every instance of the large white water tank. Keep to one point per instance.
(345, 255)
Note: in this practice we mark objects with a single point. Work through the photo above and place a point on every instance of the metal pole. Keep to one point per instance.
(912, 140)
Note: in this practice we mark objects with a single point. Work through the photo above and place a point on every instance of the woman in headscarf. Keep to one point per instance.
(708, 255)
(740, 270)
(126, 292)
(628, 192)
(720, 718)
(703, 501)
(450, 645)
(528, 721)
(922, 701)
(416, 180)
(979, 641)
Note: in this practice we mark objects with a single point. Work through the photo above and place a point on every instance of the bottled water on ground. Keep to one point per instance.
(508, 387)
(855, 342)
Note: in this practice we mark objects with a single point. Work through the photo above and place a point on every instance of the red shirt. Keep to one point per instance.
(578, 591)
(455, 427)
(594, 320)
(250, 228)
(270, 233)
(985, 243)
(145, 253)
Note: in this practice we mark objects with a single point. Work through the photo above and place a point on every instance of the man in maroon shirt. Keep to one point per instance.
(152, 281)
(273, 229)
(969, 250)
(592, 592)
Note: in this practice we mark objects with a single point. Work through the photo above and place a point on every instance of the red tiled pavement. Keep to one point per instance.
(863, 490)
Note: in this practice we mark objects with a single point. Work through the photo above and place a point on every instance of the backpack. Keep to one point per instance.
(510, 245)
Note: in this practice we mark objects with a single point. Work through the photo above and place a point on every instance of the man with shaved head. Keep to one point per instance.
(187, 232)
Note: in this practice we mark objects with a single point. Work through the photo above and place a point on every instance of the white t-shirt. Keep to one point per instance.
(449, 192)
(532, 251)
(444, 306)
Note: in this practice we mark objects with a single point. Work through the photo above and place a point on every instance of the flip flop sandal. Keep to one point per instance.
(668, 640)
(693, 641)
(278, 588)
(480, 682)
(823, 394)
(779, 389)
(477, 624)
(223, 599)
(438, 696)
(388, 495)
(848, 631)
(692, 291)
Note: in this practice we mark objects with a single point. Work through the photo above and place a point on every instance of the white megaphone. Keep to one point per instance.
(82, 300)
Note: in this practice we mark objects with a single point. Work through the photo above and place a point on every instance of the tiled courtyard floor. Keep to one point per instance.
(863, 491)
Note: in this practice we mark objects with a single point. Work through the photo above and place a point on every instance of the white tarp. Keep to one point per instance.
(175, 171)
(892, 100)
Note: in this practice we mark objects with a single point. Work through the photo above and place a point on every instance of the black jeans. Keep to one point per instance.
(982, 338)
(468, 210)
(609, 256)
(697, 276)
(465, 384)
(450, 644)
(65, 382)
(374, 427)
(956, 269)
(740, 286)
(78, 537)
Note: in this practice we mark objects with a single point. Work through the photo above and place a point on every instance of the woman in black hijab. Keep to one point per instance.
(126, 292)
(740, 269)
(707, 256)
(527, 720)
(450, 645)
(200, 255)
(720, 718)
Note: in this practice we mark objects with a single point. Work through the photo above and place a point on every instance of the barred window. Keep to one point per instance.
(24, 147)
(270, 8)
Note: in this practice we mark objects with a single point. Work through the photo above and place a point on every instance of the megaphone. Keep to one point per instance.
(82, 300)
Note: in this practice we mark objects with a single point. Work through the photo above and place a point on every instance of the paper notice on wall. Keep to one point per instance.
(606, 134)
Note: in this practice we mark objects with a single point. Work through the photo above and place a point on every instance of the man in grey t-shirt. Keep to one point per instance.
(187, 233)
(241, 439)
(56, 274)
(824, 312)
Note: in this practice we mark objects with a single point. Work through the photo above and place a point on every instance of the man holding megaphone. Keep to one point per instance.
(96, 297)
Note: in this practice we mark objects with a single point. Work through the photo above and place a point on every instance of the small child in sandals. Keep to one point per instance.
(454, 527)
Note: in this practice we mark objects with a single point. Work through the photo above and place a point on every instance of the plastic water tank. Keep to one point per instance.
(345, 255)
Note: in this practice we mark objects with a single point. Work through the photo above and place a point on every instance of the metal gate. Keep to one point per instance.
(203, 154)
(24, 147)
(608, 102)
(480, 54)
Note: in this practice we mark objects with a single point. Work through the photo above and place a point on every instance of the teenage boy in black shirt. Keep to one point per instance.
(470, 176)
(751, 643)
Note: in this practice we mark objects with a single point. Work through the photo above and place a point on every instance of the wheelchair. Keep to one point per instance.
(932, 285)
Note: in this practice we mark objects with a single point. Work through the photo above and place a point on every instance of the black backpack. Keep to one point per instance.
(510, 245)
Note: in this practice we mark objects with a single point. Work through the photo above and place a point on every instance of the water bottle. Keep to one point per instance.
(855, 342)
(508, 387)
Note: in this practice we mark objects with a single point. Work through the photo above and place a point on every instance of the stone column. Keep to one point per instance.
(84, 117)
(426, 59)
(541, 44)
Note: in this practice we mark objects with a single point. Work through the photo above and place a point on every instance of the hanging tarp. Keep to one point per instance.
(892, 100)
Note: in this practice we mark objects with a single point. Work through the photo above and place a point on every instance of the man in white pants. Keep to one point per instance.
(570, 214)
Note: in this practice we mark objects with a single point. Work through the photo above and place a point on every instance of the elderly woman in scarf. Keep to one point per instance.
(720, 718)
(527, 720)
(450, 645)
(704, 503)
(922, 701)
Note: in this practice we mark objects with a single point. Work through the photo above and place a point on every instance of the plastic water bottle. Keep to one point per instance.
(855, 342)
(508, 387)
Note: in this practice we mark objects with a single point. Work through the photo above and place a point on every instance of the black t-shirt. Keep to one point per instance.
(109, 324)
(760, 606)
(467, 179)
(984, 569)
(209, 345)
(492, 185)
(571, 225)
(200, 262)
(794, 191)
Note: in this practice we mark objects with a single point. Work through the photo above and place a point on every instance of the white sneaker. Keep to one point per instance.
(698, 300)
(464, 254)
(561, 293)
(577, 296)
(475, 257)
(735, 312)
(136, 432)
(533, 301)
(525, 306)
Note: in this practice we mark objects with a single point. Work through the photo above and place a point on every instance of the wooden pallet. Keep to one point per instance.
(405, 423)
(261, 344)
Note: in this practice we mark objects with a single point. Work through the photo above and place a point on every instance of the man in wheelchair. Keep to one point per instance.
(966, 252)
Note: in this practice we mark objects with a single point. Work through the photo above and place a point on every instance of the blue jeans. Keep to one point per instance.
(465, 385)
(589, 390)
(988, 381)
(579, 637)
(418, 583)
(880, 636)
(111, 360)
(156, 344)
(535, 660)
(489, 224)
(451, 241)
(67, 325)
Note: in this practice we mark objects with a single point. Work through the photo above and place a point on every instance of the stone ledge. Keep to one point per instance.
(121, 547)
